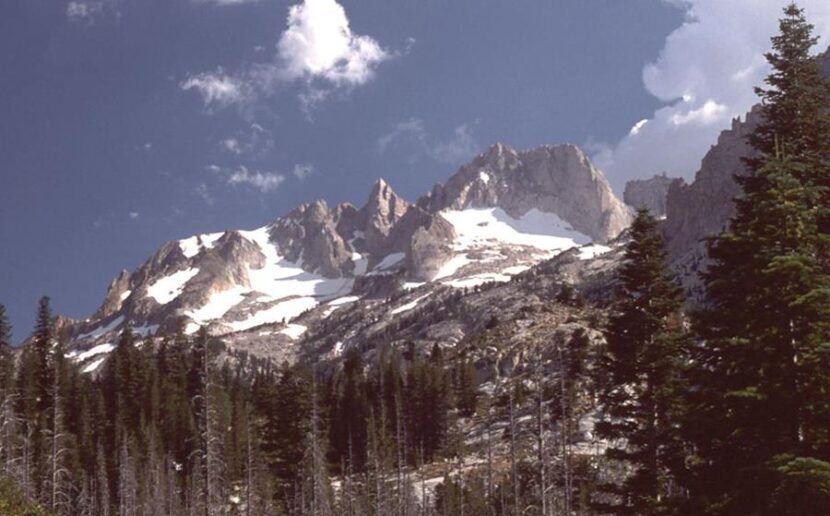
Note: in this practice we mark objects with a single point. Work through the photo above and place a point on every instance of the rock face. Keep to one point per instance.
(553, 178)
(494, 218)
(704, 207)
(649, 193)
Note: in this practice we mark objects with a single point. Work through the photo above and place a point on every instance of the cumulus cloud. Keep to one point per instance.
(459, 147)
(303, 170)
(705, 74)
(319, 43)
(317, 50)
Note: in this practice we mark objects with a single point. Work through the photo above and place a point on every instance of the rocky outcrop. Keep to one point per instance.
(649, 194)
(117, 293)
(382, 211)
(704, 207)
(556, 179)
(237, 281)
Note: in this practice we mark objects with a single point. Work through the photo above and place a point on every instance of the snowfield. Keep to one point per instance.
(218, 304)
(544, 231)
(480, 231)
(168, 288)
(194, 245)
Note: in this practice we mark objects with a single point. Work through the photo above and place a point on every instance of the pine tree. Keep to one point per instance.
(637, 371)
(758, 411)
(34, 386)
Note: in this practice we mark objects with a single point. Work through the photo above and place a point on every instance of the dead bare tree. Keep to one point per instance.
(58, 475)
(127, 482)
(514, 477)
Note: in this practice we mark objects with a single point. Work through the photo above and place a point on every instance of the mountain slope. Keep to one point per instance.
(494, 218)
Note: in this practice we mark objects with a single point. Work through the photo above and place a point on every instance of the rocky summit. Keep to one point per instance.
(497, 216)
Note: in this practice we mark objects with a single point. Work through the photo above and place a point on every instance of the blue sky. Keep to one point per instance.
(127, 123)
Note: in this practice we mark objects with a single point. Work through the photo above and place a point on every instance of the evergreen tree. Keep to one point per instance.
(638, 371)
(758, 413)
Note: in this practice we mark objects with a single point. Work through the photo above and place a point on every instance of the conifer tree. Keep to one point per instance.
(638, 370)
(758, 412)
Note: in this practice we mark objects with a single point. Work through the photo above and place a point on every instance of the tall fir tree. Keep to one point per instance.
(758, 408)
(638, 373)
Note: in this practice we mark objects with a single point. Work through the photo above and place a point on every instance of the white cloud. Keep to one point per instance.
(134, 215)
(224, 2)
(262, 181)
(705, 74)
(459, 147)
(255, 141)
(319, 43)
(302, 171)
(636, 127)
(78, 11)
(217, 88)
(202, 191)
(413, 127)
(87, 12)
(317, 49)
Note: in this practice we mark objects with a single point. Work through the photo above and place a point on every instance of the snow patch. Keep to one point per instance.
(409, 306)
(146, 330)
(194, 245)
(294, 331)
(361, 264)
(284, 285)
(169, 287)
(218, 304)
(94, 334)
(484, 176)
(94, 365)
(125, 295)
(97, 350)
(388, 262)
(282, 311)
(592, 251)
(478, 279)
(545, 231)
(480, 231)
(343, 300)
